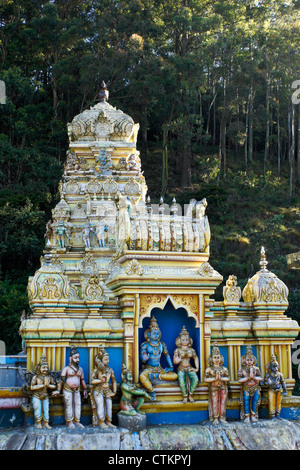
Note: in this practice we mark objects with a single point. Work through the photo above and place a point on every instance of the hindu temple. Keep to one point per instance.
(116, 266)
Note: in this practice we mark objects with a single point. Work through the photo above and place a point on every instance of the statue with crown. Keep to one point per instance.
(150, 353)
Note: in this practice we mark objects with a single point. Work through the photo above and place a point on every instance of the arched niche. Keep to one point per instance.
(190, 302)
(170, 321)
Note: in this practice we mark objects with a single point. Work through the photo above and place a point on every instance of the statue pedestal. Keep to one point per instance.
(132, 423)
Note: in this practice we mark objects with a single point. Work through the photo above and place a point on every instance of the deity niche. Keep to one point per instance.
(150, 354)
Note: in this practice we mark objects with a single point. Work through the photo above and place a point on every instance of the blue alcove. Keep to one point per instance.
(170, 322)
(115, 361)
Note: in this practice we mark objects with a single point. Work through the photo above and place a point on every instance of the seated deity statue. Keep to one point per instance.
(132, 396)
(187, 374)
(150, 354)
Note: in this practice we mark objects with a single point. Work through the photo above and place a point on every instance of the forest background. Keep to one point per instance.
(213, 84)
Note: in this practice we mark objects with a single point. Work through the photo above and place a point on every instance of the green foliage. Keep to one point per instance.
(210, 85)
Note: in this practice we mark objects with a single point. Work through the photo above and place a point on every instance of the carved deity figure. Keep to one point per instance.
(62, 235)
(48, 232)
(101, 393)
(232, 292)
(72, 378)
(86, 234)
(132, 396)
(134, 163)
(150, 354)
(187, 374)
(275, 383)
(41, 384)
(101, 229)
(249, 376)
(217, 377)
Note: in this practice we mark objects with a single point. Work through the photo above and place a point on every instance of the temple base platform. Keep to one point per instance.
(278, 434)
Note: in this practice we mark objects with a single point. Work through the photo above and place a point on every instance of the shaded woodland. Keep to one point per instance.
(214, 87)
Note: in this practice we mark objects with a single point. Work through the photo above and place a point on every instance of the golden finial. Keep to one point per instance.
(263, 260)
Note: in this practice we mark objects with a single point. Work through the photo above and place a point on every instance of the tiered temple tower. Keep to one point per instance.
(112, 260)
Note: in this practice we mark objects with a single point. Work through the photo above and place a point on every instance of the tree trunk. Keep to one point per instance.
(267, 141)
(292, 154)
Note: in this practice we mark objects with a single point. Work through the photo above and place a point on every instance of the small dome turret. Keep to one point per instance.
(264, 286)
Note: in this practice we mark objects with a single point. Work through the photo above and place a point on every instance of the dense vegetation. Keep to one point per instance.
(211, 84)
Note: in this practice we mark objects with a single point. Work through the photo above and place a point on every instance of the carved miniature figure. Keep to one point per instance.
(41, 384)
(62, 235)
(187, 374)
(132, 397)
(150, 353)
(134, 163)
(48, 232)
(101, 229)
(217, 377)
(276, 387)
(249, 376)
(86, 234)
(101, 394)
(72, 377)
(232, 292)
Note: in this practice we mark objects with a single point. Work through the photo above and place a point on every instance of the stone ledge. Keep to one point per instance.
(278, 434)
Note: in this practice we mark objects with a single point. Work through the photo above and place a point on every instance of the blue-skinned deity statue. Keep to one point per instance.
(150, 354)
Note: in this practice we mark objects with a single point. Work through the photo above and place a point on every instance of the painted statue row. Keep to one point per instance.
(69, 382)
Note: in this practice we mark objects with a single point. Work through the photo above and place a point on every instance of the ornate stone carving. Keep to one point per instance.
(78, 212)
(265, 287)
(102, 122)
(72, 187)
(94, 186)
(231, 292)
(61, 211)
(110, 186)
(88, 265)
(132, 187)
(206, 270)
(92, 289)
(133, 268)
(49, 283)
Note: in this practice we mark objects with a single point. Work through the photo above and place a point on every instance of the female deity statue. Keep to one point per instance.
(187, 375)
(217, 377)
(150, 353)
(249, 377)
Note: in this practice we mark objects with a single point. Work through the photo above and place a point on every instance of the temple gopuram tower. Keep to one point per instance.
(112, 261)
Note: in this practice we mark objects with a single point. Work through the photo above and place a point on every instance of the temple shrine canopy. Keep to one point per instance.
(112, 260)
